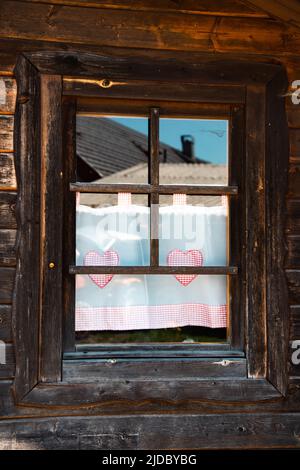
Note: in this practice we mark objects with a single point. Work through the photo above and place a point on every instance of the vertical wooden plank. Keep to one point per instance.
(237, 228)
(26, 290)
(277, 163)
(69, 223)
(255, 259)
(51, 229)
(154, 180)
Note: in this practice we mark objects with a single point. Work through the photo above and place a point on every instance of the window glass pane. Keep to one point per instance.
(193, 151)
(124, 303)
(193, 230)
(112, 149)
(112, 230)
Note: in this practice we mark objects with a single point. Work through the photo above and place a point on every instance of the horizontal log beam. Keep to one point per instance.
(169, 30)
(197, 7)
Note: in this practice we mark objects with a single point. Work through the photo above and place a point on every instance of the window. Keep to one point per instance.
(51, 96)
(148, 302)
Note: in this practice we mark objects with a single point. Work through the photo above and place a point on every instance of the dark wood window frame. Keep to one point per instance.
(252, 94)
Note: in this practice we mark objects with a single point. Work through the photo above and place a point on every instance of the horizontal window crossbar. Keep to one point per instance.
(173, 270)
(209, 190)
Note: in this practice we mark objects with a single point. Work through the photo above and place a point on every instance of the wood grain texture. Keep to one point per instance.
(7, 247)
(276, 168)
(143, 89)
(294, 181)
(6, 133)
(153, 65)
(8, 92)
(202, 7)
(295, 323)
(7, 210)
(197, 189)
(7, 172)
(255, 261)
(130, 369)
(7, 370)
(293, 278)
(154, 30)
(225, 431)
(137, 391)
(293, 216)
(7, 277)
(51, 220)
(5, 323)
(294, 135)
(69, 221)
(25, 307)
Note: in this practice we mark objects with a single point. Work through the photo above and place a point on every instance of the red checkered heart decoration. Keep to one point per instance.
(93, 258)
(185, 258)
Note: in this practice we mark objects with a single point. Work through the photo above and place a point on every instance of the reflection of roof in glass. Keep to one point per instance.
(109, 147)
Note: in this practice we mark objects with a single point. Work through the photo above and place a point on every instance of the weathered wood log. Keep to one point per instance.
(6, 133)
(7, 172)
(7, 247)
(7, 370)
(295, 323)
(192, 431)
(7, 210)
(7, 277)
(159, 31)
(8, 91)
(293, 278)
(5, 323)
(202, 7)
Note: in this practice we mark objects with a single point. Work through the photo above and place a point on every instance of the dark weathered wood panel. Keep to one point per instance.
(293, 113)
(128, 369)
(153, 65)
(293, 217)
(293, 253)
(69, 221)
(6, 133)
(51, 233)
(7, 172)
(276, 167)
(25, 306)
(7, 210)
(167, 31)
(5, 323)
(202, 7)
(163, 391)
(8, 91)
(7, 247)
(294, 136)
(255, 260)
(11, 48)
(293, 278)
(295, 322)
(7, 277)
(294, 181)
(7, 370)
(140, 89)
(192, 431)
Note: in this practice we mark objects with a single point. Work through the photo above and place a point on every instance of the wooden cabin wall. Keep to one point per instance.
(125, 28)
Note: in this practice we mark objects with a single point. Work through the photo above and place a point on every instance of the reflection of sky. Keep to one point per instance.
(210, 135)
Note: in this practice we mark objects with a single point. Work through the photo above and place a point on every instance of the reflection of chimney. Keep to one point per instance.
(188, 146)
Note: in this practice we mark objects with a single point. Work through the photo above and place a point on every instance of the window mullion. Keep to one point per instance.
(154, 182)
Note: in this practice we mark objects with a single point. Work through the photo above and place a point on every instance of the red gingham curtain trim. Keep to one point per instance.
(150, 317)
